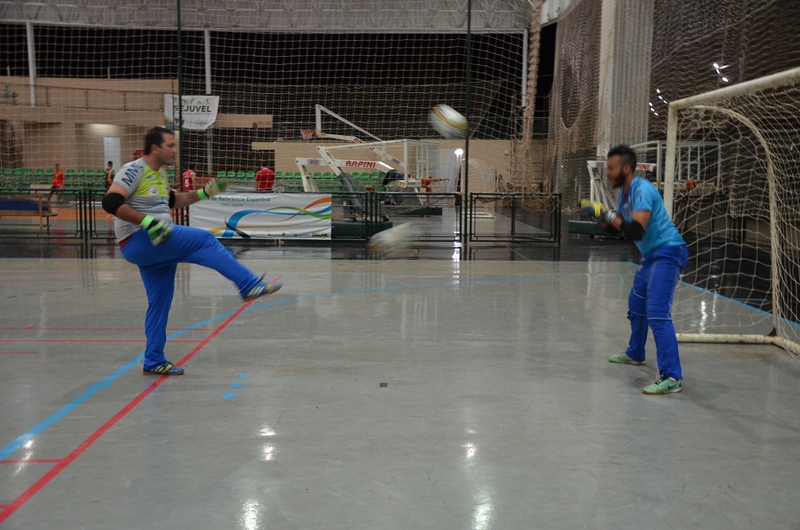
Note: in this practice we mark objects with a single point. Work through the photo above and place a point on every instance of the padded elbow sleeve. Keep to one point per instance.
(632, 230)
(112, 202)
(172, 198)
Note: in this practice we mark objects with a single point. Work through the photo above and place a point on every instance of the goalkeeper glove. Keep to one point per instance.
(213, 188)
(597, 212)
(158, 231)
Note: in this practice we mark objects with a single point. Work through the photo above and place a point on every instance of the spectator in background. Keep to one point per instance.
(108, 176)
(188, 177)
(58, 181)
(265, 179)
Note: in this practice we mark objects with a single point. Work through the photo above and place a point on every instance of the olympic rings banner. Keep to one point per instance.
(264, 216)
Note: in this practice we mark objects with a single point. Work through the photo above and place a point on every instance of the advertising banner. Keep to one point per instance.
(264, 216)
(199, 112)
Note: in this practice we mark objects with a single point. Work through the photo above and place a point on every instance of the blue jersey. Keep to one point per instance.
(660, 231)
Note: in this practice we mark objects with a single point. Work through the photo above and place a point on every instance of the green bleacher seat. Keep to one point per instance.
(80, 174)
(221, 174)
(49, 173)
(240, 175)
(19, 172)
(70, 173)
(7, 172)
(28, 172)
(231, 174)
(278, 175)
(356, 175)
(171, 173)
(250, 175)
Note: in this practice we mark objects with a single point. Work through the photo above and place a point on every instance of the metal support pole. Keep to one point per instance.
(210, 131)
(180, 94)
(31, 62)
(465, 203)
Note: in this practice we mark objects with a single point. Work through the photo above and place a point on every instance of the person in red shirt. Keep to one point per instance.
(265, 179)
(58, 181)
(188, 175)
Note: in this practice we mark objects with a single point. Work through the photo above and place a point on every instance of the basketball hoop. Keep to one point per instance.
(434, 185)
(437, 186)
(308, 134)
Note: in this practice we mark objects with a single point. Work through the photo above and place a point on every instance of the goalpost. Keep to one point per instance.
(744, 221)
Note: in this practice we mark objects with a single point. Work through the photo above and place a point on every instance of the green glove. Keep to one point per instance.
(158, 231)
(213, 188)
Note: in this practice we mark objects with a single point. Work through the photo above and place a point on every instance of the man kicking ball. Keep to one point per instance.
(641, 216)
(140, 197)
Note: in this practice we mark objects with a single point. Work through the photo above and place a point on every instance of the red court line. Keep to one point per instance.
(32, 461)
(18, 352)
(37, 486)
(91, 340)
(31, 328)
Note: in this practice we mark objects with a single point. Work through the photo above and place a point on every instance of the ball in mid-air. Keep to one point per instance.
(448, 122)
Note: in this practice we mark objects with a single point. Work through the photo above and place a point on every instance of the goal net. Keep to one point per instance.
(104, 73)
(732, 185)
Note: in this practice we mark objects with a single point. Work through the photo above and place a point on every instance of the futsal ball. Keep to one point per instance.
(448, 122)
(388, 243)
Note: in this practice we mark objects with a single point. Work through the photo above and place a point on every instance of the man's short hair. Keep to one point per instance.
(110, 163)
(154, 136)
(626, 155)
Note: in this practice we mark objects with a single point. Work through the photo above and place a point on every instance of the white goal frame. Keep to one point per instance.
(707, 101)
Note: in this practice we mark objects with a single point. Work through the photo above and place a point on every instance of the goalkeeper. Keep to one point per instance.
(141, 199)
(641, 216)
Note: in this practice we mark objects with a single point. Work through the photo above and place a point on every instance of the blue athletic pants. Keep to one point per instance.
(157, 266)
(650, 302)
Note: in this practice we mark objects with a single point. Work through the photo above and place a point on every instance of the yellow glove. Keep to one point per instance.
(597, 211)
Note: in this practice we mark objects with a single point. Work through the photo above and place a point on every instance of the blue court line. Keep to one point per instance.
(94, 388)
(228, 395)
(237, 384)
(11, 448)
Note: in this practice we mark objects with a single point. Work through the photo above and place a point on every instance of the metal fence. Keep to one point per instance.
(76, 214)
(431, 217)
(26, 212)
(515, 217)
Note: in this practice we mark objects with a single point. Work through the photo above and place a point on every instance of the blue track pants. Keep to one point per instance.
(157, 266)
(650, 302)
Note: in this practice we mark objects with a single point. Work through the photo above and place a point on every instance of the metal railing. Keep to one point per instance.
(76, 214)
(515, 217)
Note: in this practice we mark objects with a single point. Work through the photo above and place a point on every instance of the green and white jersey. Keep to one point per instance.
(148, 193)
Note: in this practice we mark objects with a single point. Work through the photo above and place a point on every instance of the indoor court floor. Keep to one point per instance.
(371, 394)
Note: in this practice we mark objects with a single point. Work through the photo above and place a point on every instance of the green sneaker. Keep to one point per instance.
(623, 358)
(664, 385)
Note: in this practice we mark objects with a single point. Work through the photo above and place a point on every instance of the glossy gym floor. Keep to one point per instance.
(429, 392)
